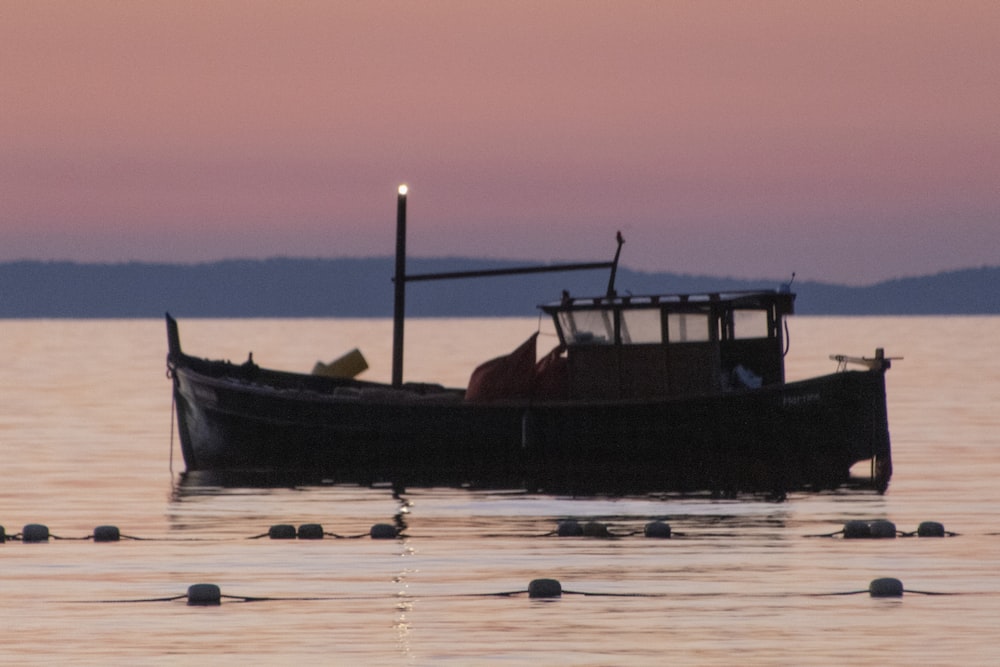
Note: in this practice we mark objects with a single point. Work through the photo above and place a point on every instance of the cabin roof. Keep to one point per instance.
(732, 300)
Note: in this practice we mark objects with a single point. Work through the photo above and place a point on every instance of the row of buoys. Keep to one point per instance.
(286, 531)
(878, 588)
(37, 532)
(878, 529)
(855, 529)
(883, 587)
(882, 529)
(314, 531)
(573, 528)
(211, 595)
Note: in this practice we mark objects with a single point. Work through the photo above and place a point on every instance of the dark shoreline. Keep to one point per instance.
(285, 287)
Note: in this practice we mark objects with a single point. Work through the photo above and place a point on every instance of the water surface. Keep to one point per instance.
(86, 429)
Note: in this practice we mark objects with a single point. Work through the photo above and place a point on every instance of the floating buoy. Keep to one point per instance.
(883, 529)
(857, 529)
(383, 531)
(930, 529)
(886, 587)
(657, 529)
(3, 535)
(595, 529)
(204, 595)
(310, 531)
(107, 534)
(544, 588)
(35, 532)
(281, 531)
(569, 528)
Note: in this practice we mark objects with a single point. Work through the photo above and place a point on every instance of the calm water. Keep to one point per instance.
(85, 431)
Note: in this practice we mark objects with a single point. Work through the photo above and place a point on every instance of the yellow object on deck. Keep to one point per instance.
(347, 366)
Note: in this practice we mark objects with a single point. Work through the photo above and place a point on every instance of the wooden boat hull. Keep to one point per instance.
(800, 435)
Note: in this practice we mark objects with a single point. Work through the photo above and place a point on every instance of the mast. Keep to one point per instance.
(399, 303)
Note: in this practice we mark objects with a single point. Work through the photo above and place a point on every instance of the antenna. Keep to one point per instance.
(614, 264)
(787, 287)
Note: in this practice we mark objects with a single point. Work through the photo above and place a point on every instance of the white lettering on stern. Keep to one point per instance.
(800, 399)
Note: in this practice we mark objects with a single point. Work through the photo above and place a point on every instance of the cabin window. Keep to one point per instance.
(688, 327)
(750, 324)
(641, 326)
(587, 326)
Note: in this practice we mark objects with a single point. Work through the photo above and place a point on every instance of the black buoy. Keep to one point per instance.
(930, 529)
(857, 529)
(3, 535)
(383, 531)
(883, 529)
(596, 529)
(569, 528)
(544, 588)
(886, 587)
(107, 534)
(281, 531)
(657, 529)
(35, 532)
(310, 531)
(204, 595)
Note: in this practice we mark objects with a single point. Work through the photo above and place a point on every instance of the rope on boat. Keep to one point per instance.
(173, 407)
(173, 410)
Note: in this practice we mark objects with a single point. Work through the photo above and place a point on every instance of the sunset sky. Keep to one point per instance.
(846, 141)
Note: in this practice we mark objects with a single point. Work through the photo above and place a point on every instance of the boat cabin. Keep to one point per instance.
(620, 347)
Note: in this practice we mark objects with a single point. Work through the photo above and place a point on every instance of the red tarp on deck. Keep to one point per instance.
(516, 375)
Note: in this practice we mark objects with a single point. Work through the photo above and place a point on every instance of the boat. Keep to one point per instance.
(643, 393)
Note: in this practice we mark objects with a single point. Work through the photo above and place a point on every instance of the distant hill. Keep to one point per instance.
(284, 287)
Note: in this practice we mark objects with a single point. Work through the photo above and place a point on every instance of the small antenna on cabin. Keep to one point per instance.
(614, 264)
(787, 287)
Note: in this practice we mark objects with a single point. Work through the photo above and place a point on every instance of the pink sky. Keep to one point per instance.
(847, 141)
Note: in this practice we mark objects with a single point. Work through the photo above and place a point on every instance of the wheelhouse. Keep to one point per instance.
(671, 345)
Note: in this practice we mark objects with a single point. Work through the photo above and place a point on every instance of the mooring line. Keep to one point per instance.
(211, 594)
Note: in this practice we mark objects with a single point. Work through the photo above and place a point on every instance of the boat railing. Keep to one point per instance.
(659, 300)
